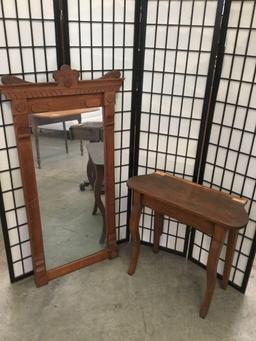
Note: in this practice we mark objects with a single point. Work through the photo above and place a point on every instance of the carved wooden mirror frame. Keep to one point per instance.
(66, 93)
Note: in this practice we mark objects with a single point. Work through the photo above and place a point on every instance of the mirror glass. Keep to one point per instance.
(69, 162)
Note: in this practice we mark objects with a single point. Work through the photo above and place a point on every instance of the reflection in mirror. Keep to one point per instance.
(69, 160)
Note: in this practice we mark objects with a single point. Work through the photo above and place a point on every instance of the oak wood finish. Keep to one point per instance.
(206, 209)
(232, 239)
(158, 230)
(67, 93)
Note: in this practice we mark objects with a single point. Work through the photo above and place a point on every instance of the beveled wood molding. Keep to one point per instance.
(12, 80)
(66, 93)
(66, 85)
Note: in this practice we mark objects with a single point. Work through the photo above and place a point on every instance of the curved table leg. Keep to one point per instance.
(158, 230)
(38, 158)
(90, 172)
(99, 172)
(94, 211)
(81, 140)
(65, 136)
(81, 147)
(134, 230)
(232, 239)
(214, 252)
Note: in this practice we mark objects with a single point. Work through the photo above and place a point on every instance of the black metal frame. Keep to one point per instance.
(212, 86)
(18, 21)
(6, 237)
(100, 58)
(137, 85)
(214, 72)
(62, 32)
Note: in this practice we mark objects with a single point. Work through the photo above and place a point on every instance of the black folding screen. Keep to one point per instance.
(178, 44)
(230, 158)
(101, 37)
(28, 50)
(179, 110)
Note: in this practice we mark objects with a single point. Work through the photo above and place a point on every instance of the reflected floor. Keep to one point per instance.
(70, 231)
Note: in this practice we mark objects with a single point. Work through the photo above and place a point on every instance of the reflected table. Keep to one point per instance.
(212, 212)
(95, 173)
(90, 131)
(45, 118)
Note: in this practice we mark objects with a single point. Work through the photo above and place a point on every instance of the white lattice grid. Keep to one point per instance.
(231, 160)
(101, 40)
(178, 48)
(29, 51)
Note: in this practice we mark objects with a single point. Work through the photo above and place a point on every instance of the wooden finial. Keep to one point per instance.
(111, 74)
(66, 77)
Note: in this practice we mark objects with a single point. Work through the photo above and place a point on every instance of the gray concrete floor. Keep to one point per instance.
(102, 303)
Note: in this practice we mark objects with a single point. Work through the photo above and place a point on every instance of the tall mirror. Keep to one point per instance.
(65, 141)
(68, 153)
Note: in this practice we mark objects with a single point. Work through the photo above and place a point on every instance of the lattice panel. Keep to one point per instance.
(177, 53)
(231, 160)
(28, 50)
(101, 39)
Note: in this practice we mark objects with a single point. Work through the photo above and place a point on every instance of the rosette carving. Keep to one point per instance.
(66, 77)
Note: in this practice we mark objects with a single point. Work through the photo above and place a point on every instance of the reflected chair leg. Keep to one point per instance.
(90, 172)
(232, 239)
(94, 211)
(97, 190)
(81, 147)
(35, 130)
(81, 141)
(213, 257)
(93, 175)
(65, 136)
(134, 230)
(158, 230)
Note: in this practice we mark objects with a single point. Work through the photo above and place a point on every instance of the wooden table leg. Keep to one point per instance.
(65, 136)
(158, 230)
(90, 172)
(232, 239)
(134, 230)
(99, 171)
(81, 148)
(81, 140)
(38, 158)
(214, 252)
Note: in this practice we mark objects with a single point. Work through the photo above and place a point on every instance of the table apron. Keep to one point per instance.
(182, 216)
(54, 119)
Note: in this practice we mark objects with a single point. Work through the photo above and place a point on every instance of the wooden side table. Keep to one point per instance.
(206, 209)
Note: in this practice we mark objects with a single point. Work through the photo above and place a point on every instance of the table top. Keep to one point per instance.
(212, 205)
(89, 125)
(63, 113)
(96, 152)
(91, 130)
